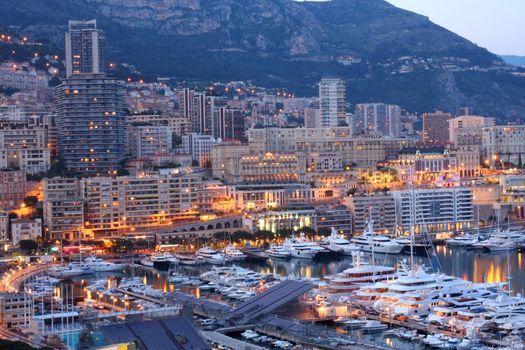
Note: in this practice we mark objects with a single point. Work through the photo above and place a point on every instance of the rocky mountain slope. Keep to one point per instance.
(385, 53)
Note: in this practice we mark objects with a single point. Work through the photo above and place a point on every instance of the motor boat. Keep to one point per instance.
(373, 326)
(462, 240)
(359, 275)
(278, 252)
(339, 244)
(234, 253)
(254, 253)
(163, 261)
(213, 257)
(301, 248)
(369, 241)
(71, 270)
(100, 265)
(189, 259)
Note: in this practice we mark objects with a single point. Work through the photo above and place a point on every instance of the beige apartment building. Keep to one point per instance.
(127, 204)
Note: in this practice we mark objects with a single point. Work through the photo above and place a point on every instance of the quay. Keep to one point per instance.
(12, 281)
(143, 297)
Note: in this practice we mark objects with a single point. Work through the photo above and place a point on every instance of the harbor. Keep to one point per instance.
(356, 299)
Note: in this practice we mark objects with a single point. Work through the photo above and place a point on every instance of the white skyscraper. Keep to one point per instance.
(332, 102)
(85, 48)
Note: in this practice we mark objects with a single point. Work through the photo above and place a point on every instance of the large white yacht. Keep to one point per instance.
(278, 252)
(100, 265)
(340, 244)
(301, 248)
(234, 253)
(212, 256)
(163, 261)
(382, 244)
(359, 275)
(462, 240)
(414, 282)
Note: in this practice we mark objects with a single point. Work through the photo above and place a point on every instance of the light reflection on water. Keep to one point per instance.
(475, 266)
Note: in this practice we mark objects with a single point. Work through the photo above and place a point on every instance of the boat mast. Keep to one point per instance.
(371, 238)
(412, 219)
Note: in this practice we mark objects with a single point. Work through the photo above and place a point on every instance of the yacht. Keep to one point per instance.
(146, 262)
(462, 240)
(71, 270)
(234, 253)
(254, 253)
(367, 295)
(359, 275)
(414, 282)
(382, 244)
(298, 249)
(189, 259)
(212, 256)
(100, 265)
(373, 326)
(340, 244)
(499, 244)
(163, 261)
(442, 315)
(278, 252)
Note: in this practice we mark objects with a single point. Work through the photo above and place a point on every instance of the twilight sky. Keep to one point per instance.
(494, 24)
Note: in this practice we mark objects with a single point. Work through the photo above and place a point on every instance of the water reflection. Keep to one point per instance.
(476, 266)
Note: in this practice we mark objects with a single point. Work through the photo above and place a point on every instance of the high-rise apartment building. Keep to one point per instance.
(312, 118)
(149, 140)
(435, 127)
(13, 188)
(90, 122)
(85, 48)
(377, 118)
(63, 210)
(199, 147)
(435, 210)
(466, 130)
(117, 206)
(332, 102)
(228, 124)
(504, 144)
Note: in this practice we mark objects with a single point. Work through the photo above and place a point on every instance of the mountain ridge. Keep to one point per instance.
(283, 43)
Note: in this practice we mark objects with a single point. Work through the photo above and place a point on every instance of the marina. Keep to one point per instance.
(357, 285)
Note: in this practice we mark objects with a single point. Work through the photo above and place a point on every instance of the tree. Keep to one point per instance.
(31, 201)
(264, 234)
(238, 236)
(285, 232)
(176, 140)
(28, 245)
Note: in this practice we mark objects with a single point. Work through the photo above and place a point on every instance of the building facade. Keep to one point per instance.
(85, 48)
(332, 102)
(435, 210)
(503, 144)
(63, 208)
(436, 127)
(467, 130)
(146, 141)
(25, 229)
(199, 147)
(377, 118)
(24, 148)
(13, 188)
(125, 204)
(90, 123)
(378, 207)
